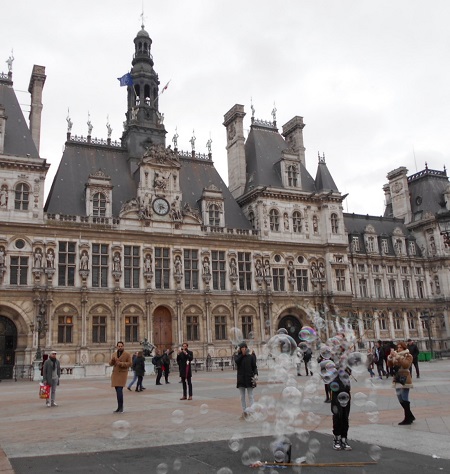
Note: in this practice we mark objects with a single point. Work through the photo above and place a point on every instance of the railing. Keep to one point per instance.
(23, 372)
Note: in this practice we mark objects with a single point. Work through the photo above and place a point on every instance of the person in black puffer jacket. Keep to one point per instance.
(246, 369)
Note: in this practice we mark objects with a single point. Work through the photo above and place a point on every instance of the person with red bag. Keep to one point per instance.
(51, 372)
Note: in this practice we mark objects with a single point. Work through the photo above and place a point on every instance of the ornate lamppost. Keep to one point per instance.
(40, 327)
(426, 317)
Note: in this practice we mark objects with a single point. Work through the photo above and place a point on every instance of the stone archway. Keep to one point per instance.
(8, 344)
(292, 324)
(162, 328)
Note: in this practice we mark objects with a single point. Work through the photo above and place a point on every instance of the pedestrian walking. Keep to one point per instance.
(139, 370)
(246, 367)
(340, 408)
(166, 364)
(378, 359)
(121, 363)
(414, 351)
(133, 358)
(51, 372)
(184, 359)
(157, 362)
(400, 361)
(369, 362)
(307, 356)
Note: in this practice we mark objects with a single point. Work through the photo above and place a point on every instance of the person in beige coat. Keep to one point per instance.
(121, 362)
(401, 361)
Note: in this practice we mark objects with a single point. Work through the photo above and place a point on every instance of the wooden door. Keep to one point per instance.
(162, 328)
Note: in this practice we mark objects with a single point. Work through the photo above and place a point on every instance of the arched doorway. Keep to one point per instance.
(8, 343)
(162, 328)
(292, 326)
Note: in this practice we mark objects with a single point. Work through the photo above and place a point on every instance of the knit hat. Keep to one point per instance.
(242, 344)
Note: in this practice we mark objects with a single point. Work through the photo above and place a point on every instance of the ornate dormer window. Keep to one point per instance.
(292, 174)
(99, 195)
(212, 205)
(22, 197)
(274, 219)
(214, 215)
(251, 218)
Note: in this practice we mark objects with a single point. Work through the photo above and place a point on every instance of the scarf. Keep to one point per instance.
(119, 353)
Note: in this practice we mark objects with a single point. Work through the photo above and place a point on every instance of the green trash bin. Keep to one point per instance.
(425, 356)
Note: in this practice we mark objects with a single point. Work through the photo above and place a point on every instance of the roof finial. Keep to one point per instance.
(209, 143)
(10, 61)
(321, 158)
(274, 114)
(69, 121)
(192, 141)
(89, 124)
(175, 139)
(142, 16)
(108, 126)
(426, 165)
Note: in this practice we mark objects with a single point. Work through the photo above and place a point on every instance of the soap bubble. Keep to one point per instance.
(314, 445)
(224, 470)
(281, 344)
(251, 456)
(189, 434)
(177, 417)
(236, 442)
(375, 452)
(357, 362)
(162, 468)
(343, 398)
(120, 429)
(325, 351)
(177, 464)
(204, 409)
(308, 334)
(236, 336)
(359, 399)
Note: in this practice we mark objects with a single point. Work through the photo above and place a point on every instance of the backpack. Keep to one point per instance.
(154, 360)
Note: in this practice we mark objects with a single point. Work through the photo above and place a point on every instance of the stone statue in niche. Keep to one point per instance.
(4, 196)
(266, 268)
(178, 265)
(175, 210)
(38, 258)
(206, 266)
(233, 267)
(291, 269)
(160, 181)
(84, 261)
(315, 224)
(321, 270)
(2, 257)
(116, 262)
(148, 263)
(50, 259)
(258, 268)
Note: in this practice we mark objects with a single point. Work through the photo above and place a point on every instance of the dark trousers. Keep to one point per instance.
(139, 382)
(166, 375)
(327, 391)
(186, 385)
(158, 375)
(306, 362)
(380, 369)
(340, 417)
(119, 394)
(416, 365)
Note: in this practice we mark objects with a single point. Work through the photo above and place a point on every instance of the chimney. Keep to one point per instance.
(35, 88)
(293, 134)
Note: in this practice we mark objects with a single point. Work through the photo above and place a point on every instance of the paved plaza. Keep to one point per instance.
(160, 434)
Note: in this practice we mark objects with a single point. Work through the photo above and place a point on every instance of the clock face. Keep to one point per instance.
(161, 206)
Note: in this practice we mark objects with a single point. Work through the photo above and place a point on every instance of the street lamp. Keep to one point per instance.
(426, 317)
(41, 327)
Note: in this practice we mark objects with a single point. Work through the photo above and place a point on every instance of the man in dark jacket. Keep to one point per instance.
(166, 364)
(51, 372)
(414, 351)
(246, 367)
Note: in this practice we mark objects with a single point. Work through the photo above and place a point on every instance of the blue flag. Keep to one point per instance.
(125, 80)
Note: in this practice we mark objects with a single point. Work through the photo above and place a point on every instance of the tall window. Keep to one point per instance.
(131, 328)
(98, 329)
(340, 279)
(378, 288)
(220, 324)
(245, 271)
(384, 246)
(247, 326)
(397, 320)
(131, 265)
(251, 218)
(382, 322)
(18, 271)
(292, 175)
(334, 224)
(219, 271)
(214, 215)
(367, 321)
(21, 197)
(192, 328)
(65, 329)
(392, 289)
(274, 220)
(162, 267)
(191, 269)
(406, 289)
(355, 244)
(363, 287)
(412, 248)
(297, 222)
(302, 279)
(100, 265)
(278, 279)
(66, 263)
(371, 244)
(420, 292)
(411, 320)
(99, 205)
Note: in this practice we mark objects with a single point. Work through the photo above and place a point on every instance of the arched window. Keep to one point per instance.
(411, 320)
(297, 221)
(99, 205)
(382, 321)
(274, 218)
(214, 215)
(397, 320)
(292, 175)
(334, 223)
(21, 200)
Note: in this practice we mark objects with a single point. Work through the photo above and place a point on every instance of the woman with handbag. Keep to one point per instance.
(400, 361)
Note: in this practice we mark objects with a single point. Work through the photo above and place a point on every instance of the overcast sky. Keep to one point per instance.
(371, 78)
